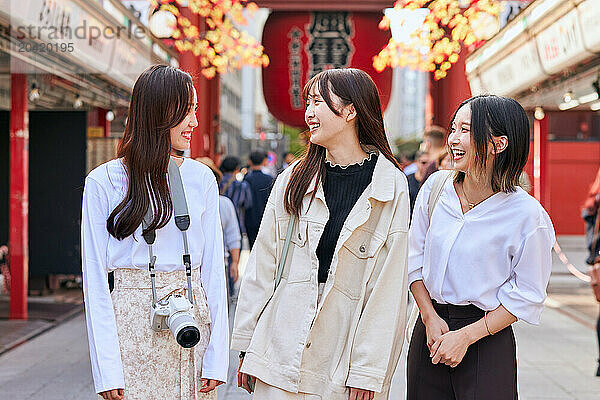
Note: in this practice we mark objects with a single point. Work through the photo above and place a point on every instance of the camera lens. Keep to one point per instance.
(188, 336)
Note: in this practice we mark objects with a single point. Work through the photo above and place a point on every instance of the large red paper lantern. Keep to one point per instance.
(300, 45)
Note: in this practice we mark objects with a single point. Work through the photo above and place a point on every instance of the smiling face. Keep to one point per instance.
(181, 135)
(325, 126)
(459, 139)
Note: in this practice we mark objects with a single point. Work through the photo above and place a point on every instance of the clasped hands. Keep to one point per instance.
(445, 346)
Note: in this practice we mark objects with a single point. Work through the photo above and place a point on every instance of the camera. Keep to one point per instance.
(176, 313)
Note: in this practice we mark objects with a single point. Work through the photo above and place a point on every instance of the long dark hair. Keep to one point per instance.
(162, 96)
(494, 116)
(352, 86)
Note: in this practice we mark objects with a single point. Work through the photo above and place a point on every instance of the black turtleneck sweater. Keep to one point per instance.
(342, 186)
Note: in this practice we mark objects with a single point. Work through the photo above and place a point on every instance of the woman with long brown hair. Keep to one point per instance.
(163, 331)
(332, 326)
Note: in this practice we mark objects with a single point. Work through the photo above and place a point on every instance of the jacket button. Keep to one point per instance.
(308, 345)
(362, 248)
(299, 237)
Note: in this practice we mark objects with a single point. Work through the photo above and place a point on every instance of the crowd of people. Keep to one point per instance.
(322, 307)
(242, 201)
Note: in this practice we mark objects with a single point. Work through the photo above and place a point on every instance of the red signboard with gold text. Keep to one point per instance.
(301, 45)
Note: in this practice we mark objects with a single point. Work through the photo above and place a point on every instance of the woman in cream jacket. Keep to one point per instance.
(333, 328)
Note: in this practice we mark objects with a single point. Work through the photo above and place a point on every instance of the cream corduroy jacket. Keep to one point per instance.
(354, 336)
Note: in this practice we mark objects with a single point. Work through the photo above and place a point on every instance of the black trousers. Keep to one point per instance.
(487, 372)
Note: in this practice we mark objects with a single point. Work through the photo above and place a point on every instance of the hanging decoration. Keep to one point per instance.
(222, 47)
(435, 45)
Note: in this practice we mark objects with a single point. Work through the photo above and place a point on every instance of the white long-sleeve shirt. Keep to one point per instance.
(105, 187)
(497, 253)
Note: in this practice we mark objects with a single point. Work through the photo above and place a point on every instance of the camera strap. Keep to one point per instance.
(182, 221)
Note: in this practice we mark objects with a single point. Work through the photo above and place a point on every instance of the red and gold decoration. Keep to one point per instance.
(307, 43)
(436, 45)
(222, 47)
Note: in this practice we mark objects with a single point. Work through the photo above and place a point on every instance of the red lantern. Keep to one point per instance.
(300, 45)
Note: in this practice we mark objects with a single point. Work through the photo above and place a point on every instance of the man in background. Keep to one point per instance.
(260, 188)
(434, 143)
(237, 191)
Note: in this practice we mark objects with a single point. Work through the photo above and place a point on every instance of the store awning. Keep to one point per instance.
(98, 46)
(548, 50)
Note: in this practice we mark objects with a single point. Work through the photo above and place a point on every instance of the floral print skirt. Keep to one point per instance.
(155, 366)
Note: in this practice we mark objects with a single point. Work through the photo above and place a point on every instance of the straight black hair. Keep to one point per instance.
(495, 116)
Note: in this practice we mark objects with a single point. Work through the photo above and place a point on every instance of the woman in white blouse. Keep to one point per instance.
(481, 263)
(129, 359)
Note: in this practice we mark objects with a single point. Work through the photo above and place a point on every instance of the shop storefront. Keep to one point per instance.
(67, 69)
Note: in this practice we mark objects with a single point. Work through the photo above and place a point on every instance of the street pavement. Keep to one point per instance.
(556, 360)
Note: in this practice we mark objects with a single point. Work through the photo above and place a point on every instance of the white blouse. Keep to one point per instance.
(105, 187)
(497, 253)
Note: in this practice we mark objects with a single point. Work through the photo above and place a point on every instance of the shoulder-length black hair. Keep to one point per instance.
(162, 96)
(352, 86)
(495, 116)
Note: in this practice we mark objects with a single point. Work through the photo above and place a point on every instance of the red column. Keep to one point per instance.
(19, 197)
(208, 92)
(540, 162)
(191, 64)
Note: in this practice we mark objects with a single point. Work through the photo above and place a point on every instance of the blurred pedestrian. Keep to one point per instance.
(479, 261)
(444, 161)
(434, 145)
(260, 188)
(128, 203)
(411, 168)
(589, 213)
(333, 328)
(4, 270)
(232, 239)
(288, 159)
(415, 180)
(237, 191)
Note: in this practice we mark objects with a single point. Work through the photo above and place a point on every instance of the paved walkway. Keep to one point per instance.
(556, 360)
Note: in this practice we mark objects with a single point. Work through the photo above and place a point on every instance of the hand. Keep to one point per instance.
(233, 271)
(208, 385)
(115, 394)
(450, 348)
(361, 394)
(244, 378)
(435, 327)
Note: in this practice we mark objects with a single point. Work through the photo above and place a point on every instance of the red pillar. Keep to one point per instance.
(19, 197)
(540, 162)
(207, 90)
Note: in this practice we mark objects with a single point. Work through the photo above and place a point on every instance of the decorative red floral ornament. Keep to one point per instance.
(449, 26)
(222, 47)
